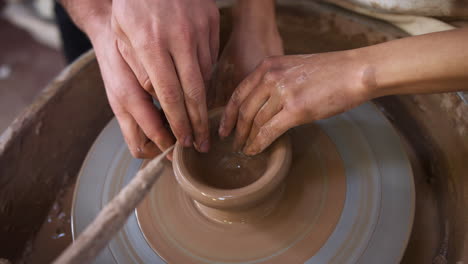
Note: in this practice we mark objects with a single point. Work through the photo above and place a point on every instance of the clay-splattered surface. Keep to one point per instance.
(55, 233)
(42, 151)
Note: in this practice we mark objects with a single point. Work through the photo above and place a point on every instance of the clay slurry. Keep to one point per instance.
(224, 168)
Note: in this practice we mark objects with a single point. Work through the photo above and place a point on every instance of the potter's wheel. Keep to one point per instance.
(355, 204)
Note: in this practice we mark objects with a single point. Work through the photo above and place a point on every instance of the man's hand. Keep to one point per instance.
(288, 91)
(170, 47)
(140, 121)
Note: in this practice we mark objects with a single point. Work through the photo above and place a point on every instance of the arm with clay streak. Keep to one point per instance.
(429, 63)
(287, 91)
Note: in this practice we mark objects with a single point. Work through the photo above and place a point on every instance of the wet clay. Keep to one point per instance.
(223, 167)
(309, 206)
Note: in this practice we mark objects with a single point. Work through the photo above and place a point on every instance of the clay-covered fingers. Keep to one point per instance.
(269, 132)
(231, 112)
(162, 74)
(194, 95)
(247, 112)
(130, 57)
(150, 120)
(138, 143)
(268, 110)
(139, 119)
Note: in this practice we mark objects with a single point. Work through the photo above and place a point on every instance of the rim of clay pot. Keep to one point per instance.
(278, 165)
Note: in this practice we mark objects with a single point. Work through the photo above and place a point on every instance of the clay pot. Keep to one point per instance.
(245, 200)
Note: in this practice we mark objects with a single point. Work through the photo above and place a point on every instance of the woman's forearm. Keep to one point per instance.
(255, 15)
(429, 63)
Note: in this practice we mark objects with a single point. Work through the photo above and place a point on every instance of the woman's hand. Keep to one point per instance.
(288, 91)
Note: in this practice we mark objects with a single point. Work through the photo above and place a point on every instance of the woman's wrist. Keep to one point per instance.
(361, 78)
(256, 15)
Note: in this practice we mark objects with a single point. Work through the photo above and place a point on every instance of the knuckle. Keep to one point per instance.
(265, 132)
(243, 115)
(195, 93)
(148, 39)
(273, 76)
(267, 63)
(258, 122)
(186, 32)
(147, 43)
(146, 84)
(169, 94)
(235, 98)
(119, 93)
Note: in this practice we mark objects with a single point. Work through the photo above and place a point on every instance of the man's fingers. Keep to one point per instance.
(163, 76)
(149, 119)
(214, 36)
(193, 88)
(130, 102)
(247, 113)
(140, 106)
(228, 121)
(139, 145)
(130, 57)
(204, 59)
(269, 132)
(268, 110)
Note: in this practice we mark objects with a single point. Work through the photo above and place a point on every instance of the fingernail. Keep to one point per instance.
(249, 152)
(205, 146)
(188, 141)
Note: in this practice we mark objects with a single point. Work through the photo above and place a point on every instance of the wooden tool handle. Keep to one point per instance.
(114, 215)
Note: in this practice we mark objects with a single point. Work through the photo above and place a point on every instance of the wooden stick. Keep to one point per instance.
(114, 215)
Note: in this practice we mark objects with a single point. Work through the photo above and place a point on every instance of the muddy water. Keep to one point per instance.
(55, 234)
(225, 168)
